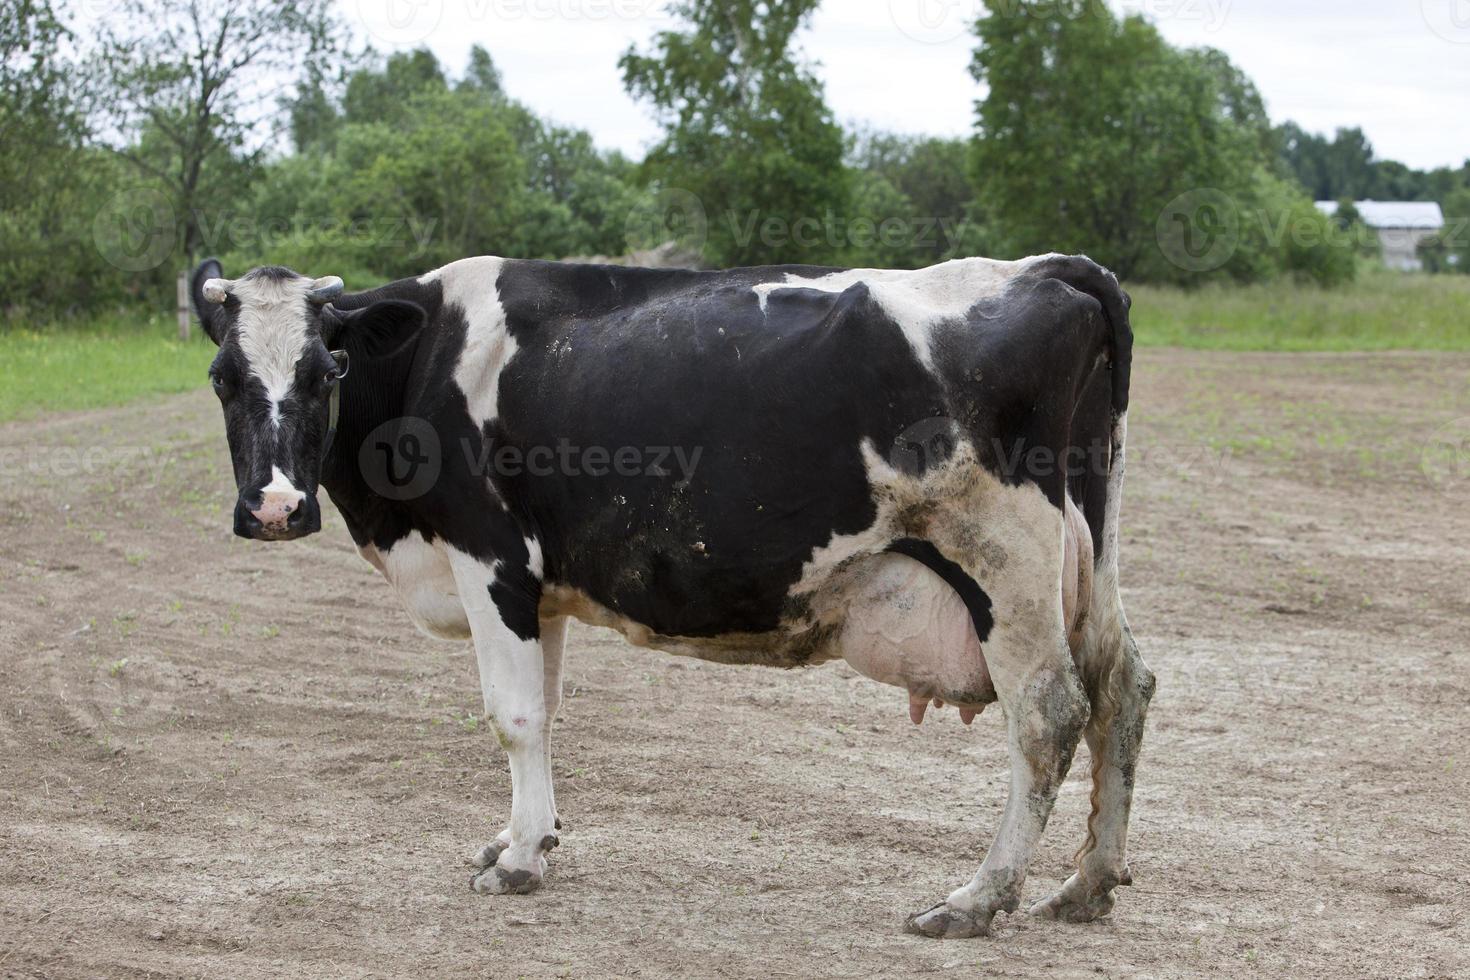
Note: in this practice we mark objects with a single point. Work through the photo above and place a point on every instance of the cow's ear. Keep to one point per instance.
(383, 329)
(207, 304)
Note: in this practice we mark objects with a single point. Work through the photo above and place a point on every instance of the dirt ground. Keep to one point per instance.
(225, 758)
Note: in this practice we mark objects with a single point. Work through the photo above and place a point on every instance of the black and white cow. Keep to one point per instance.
(917, 471)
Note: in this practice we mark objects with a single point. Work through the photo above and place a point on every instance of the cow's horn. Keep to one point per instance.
(215, 290)
(325, 289)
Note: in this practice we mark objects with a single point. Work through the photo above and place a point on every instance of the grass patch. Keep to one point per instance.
(96, 363)
(1381, 311)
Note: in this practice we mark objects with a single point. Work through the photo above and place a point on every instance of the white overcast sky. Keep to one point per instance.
(1398, 68)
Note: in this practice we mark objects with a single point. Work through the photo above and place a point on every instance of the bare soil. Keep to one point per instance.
(224, 758)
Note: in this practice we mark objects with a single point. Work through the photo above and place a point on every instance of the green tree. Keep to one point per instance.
(935, 196)
(183, 83)
(1095, 132)
(52, 185)
(746, 128)
(1092, 125)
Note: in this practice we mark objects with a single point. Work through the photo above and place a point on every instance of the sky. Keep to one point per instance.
(1400, 69)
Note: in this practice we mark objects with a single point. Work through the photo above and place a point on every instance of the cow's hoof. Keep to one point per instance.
(507, 881)
(944, 921)
(486, 856)
(1077, 901)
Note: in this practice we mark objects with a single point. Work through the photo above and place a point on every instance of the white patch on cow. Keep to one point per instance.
(469, 284)
(273, 328)
(1010, 538)
(281, 483)
(535, 561)
(419, 571)
(512, 681)
(918, 299)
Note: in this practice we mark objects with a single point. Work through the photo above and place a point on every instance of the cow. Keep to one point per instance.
(919, 472)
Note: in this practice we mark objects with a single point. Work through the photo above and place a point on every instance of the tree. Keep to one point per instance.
(190, 86)
(932, 193)
(746, 129)
(1095, 135)
(1092, 126)
(50, 185)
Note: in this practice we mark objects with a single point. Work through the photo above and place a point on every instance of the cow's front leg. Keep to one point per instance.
(1044, 721)
(501, 598)
(553, 645)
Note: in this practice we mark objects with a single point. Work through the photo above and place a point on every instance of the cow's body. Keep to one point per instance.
(917, 471)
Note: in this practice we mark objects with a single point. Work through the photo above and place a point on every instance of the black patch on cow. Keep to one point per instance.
(517, 596)
(975, 599)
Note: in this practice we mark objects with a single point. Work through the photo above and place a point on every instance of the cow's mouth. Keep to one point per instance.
(263, 523)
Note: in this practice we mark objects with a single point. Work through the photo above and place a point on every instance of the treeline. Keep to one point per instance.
(250, 129)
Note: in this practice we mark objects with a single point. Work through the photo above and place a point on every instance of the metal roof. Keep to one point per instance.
(1393, 214)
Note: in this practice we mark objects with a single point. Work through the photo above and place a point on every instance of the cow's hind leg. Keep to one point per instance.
(1120, 685)
(1046, 709)
(553, 644)
(500, 598)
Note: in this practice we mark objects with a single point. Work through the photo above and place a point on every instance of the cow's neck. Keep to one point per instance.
(374, 392)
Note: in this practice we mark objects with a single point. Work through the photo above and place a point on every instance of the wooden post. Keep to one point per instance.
(185, 316)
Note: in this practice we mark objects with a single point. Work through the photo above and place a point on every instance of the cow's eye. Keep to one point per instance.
(218, 382)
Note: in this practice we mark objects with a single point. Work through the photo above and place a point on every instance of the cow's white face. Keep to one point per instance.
(274, 377)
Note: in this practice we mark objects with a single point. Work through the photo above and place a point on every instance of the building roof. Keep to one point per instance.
(1393, 214)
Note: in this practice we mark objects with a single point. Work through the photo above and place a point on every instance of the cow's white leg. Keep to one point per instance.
(1120, 697)
(553, 645)
(1046, 709)
(512, 679)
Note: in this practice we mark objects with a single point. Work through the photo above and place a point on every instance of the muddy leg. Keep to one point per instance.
(1044, 720)
(1114, 738)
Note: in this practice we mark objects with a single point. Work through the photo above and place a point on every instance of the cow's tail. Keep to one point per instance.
(1104, 658)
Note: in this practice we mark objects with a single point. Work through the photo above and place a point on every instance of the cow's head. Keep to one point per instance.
(275, 375)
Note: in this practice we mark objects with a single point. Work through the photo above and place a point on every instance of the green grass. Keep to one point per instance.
(1381, 311)
(97, 363)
